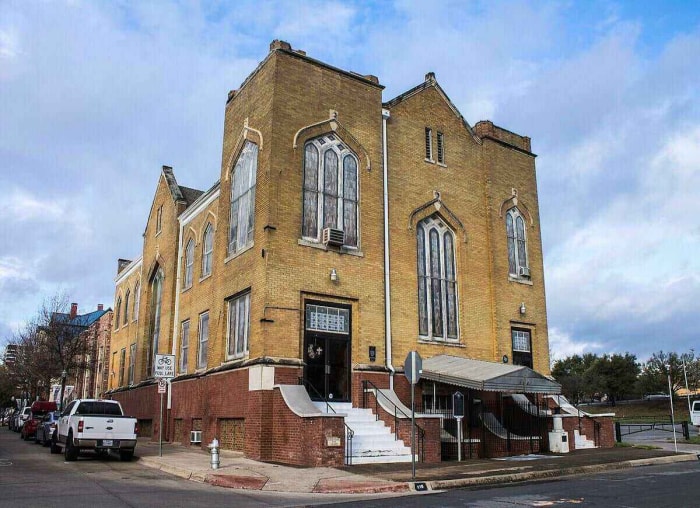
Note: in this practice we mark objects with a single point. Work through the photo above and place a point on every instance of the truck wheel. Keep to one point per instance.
(126, 455)
(54, 444)
(70, 452)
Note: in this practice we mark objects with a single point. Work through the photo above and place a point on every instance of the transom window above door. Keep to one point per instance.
(320, 318)
(330, 192)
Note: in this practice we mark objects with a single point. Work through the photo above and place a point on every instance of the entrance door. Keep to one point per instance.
(327, 352)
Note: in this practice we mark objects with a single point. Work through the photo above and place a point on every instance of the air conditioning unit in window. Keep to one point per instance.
(524, 271)
(333, 237)
(195, 437)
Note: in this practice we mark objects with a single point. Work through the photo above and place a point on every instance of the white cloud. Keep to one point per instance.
(562, 345)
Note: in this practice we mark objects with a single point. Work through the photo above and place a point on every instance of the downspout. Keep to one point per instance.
(177, 308)
(387, 284)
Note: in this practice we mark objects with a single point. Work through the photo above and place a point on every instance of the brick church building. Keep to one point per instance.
(343, 232)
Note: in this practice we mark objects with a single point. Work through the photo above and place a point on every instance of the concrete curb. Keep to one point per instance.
(554, 473)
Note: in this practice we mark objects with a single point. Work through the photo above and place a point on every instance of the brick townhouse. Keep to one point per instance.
(343, 233)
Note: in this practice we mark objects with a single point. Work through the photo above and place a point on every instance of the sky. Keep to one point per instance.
(96, 96)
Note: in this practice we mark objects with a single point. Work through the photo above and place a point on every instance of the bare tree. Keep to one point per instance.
(61, 334)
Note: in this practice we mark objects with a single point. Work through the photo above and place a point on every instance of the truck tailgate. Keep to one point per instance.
(107, 427)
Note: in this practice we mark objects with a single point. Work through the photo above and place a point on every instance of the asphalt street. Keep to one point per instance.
(671, 485)
(31, 477)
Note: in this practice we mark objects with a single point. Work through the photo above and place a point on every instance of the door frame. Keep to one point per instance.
(326, 337)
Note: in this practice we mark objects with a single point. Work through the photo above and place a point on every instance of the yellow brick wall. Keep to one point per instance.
(285, 94)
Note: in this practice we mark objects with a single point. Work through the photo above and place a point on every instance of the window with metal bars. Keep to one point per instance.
(429, 144)
(440, 148)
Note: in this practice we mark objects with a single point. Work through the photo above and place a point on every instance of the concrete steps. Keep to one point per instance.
(581, 441)
(373, 441)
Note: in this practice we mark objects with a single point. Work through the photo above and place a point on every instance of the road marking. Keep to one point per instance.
(5, 462)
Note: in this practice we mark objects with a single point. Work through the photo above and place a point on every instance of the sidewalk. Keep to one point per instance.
(235, 471)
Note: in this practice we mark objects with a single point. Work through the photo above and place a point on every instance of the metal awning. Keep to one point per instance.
(488, 376)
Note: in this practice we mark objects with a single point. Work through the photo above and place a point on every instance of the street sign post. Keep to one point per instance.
(413, 368)
(163, 369)
(458, 412)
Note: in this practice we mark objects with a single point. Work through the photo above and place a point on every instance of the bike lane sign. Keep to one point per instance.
(165, 366)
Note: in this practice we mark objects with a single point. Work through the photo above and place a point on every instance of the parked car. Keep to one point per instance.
(21, 417)
(6, 414)
(94, 424)
(47, 427)
(656, 396)
(38, 409)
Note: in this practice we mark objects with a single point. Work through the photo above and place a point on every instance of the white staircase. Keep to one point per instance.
(581, 441)
(373, 441)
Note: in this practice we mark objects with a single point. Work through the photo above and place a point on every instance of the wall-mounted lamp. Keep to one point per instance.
(522, 308)
(334, 275)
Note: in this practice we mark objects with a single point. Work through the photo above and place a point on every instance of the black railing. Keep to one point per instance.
(366, 384)
(349, 433)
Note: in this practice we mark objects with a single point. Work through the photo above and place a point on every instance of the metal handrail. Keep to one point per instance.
(397, 421)
(349, 433)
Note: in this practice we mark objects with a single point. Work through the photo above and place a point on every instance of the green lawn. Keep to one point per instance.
(643, 410)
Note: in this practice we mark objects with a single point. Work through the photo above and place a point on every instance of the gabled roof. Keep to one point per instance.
(190, 195)
(431, 82)
(486, 376)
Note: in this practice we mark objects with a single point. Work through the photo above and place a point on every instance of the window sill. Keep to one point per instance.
(442, 164)
(238, 253)
(185, 290)
(205, 277)
(235, 358)
(422, 340)
(430, 161)
(342, 250)
(527, 282)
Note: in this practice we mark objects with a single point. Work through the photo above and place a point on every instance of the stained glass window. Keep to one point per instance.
(437, 281)
(330, 189)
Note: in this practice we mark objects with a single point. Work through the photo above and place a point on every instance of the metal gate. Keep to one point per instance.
(494, 428)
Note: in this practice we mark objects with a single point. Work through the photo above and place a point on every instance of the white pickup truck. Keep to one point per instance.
(92, 424)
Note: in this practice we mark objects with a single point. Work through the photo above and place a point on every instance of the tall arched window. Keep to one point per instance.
(517, 244)
(137, 299)
(189, 263)
(126, 306)
(330, 189)
(243, 177)
(437, 281)
(207, 249)
(156, 300)
(117, 313)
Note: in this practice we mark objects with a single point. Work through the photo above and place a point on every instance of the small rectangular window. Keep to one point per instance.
(132, 363)
(522, 347)
(122, 359)
(428, 144)
(203, 340)
(440, 148)
(184, 345)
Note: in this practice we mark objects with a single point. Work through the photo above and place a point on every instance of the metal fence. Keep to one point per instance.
(493, 428)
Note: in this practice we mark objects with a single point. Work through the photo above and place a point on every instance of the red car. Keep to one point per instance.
(39, 409)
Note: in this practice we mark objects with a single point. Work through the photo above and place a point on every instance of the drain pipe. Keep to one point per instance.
(387, 284)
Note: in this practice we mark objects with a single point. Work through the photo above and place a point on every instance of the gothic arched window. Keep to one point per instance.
(189, 263)
(330, 189)
(517, 244)
(243, 177)
(437, 281)
(207, 250)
